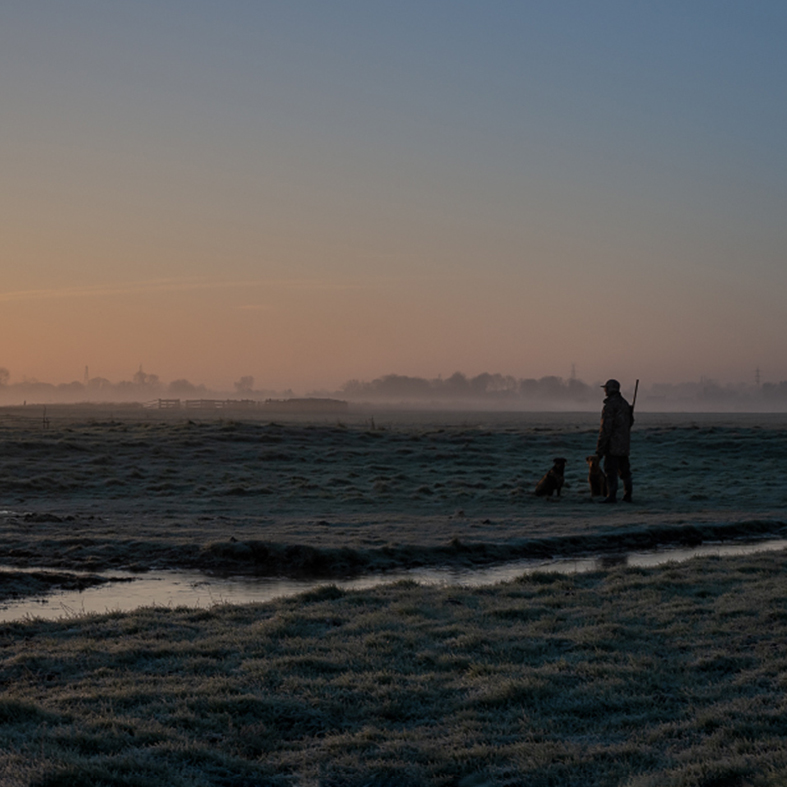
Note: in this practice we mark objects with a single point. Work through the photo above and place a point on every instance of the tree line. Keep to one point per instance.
(496, 390)
(492, 387)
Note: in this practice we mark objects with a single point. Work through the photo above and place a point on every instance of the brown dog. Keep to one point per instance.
(596, 477)
(553, 480)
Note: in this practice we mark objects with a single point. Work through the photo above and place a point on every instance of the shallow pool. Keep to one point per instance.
(194, 589)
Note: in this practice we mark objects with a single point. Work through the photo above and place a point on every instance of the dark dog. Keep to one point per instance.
(553, 480)
(596, 477)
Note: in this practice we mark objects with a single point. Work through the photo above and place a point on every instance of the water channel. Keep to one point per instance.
(194, 589)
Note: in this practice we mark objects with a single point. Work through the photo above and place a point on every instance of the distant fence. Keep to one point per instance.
(269, 405)
(165, 404)
(202, 404)
(219, 404)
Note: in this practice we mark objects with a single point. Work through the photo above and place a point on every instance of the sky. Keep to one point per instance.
(314, 191)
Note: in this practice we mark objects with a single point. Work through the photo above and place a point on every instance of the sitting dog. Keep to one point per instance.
(596, 477)
(553, 480)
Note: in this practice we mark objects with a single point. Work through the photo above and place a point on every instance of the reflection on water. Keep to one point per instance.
(193, 589)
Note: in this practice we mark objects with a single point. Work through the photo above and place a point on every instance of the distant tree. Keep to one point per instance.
(578, 390)
(185, 388)
(400, 386)
(551, 387)
(774, 391)
(491, 385)
(528, 388)
(456, 385)
(5, 376)
(140, 378)
(354, 388)
(500, 384)
(711, 390)
(245, 385)
(480, 385)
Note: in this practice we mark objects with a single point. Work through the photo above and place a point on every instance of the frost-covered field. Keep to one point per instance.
(629, 676)
(372, 491)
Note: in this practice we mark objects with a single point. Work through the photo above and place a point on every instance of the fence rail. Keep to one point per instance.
(274, 405)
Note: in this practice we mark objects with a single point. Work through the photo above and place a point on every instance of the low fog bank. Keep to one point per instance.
(496, 391)
(142, 388)
(484, 391)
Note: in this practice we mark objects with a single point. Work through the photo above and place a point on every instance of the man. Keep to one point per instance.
(614, 441)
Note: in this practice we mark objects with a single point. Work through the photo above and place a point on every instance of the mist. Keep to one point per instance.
(486, 391)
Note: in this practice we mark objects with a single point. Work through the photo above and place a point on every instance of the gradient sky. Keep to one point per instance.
(316, 190)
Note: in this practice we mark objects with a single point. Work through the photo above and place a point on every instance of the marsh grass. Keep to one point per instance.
(149, 491)
(670, 676)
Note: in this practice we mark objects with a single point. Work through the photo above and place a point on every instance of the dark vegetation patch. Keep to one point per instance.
(304, 561)
(18, 584)
(257, 557)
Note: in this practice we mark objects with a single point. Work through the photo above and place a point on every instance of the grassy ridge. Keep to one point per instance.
(669, 676)
(62, 545)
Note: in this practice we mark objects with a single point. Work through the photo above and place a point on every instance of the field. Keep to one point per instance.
(672, 676)
(664, 676)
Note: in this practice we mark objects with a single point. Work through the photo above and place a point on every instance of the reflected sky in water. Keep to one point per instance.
(193, 589)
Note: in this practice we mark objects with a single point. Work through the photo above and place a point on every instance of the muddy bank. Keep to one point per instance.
(302, 561)
(22, 584)
(264, 558)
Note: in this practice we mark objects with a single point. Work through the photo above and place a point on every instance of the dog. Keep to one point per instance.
(553, 480)
(596, 477)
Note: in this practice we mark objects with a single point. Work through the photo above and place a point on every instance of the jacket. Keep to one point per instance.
(614, 434)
